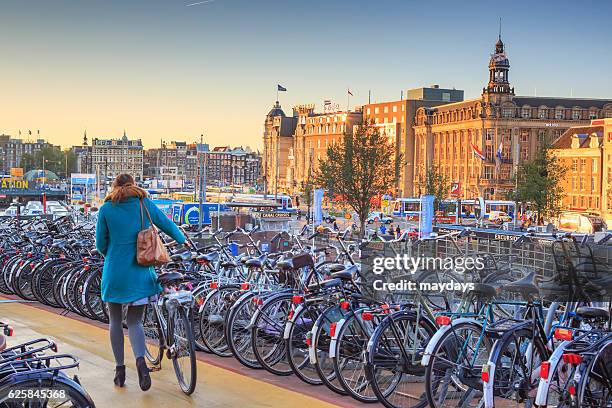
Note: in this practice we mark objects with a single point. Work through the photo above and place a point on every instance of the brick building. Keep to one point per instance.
(452, 135)
(586, 153)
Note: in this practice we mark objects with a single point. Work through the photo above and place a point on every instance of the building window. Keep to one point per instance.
(386, 109)
(394, 108)
(581, 183)
(525, 135)
(573, 183)
(524, 152)
(560, 114)
(488, 173)
(376, 110)
(446, 96)
(582, 165)
(592, 115)
(543, 113)
(592, 184)
(594, 166)
(508, 112)
(526, 113)
(489, 135)
(576, 114)
(575, 164)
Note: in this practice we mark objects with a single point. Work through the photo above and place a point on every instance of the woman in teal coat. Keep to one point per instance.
(124, 281)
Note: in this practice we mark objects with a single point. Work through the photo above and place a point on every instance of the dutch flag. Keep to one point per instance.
(477, 152)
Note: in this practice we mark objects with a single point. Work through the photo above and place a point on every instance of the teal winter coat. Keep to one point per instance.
(123, 280)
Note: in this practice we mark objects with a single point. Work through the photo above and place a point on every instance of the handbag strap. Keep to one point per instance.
(142, 216)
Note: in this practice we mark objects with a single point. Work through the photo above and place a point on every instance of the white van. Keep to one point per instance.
(579, 222)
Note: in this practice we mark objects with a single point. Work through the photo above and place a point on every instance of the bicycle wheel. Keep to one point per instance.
(595, 388)
(212, 319)
(321, 342)
(238, 334)
(64, 392)
(392, 373)
(453, 376)
(348, 358)
(297, 346)
(154, 339)
(517, 358)
(267, 335)
(93, 296)
(183, 346)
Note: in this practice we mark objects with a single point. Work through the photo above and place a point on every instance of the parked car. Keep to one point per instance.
(379, 217)
(33, 205)
(11, 211)
(499, 217)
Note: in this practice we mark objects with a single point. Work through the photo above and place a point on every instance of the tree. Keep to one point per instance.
(538, 181)
(56, 160)
(359, 167)
(437, 185)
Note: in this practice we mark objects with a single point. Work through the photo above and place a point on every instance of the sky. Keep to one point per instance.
(165, 69)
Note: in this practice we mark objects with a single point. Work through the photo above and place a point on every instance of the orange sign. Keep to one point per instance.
(16, 172)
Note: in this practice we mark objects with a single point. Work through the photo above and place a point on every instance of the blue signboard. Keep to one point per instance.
(83, 178)
(318, 206)
(427, 215)
(188, 213)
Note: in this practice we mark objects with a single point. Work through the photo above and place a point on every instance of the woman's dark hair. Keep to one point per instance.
(124, 186)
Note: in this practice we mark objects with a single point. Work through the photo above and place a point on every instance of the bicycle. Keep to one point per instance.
(167, 326)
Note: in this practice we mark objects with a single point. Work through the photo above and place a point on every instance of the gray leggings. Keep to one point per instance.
(135, 330)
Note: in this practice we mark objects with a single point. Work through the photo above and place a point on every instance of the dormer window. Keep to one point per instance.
(526, 113)
(508, 112)
(576, 114)
(543, 113)
(560, 113)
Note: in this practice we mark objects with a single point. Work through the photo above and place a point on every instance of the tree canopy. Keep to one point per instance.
(359, 167)
(538, 182)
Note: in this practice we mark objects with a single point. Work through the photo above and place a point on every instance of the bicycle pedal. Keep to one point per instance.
(155, 368)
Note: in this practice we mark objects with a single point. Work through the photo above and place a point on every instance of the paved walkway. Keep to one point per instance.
(217, 387)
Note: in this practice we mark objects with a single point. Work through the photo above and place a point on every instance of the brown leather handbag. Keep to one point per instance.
(150, 250)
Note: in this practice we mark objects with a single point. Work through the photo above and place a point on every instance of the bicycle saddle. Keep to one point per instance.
(207, 257)
(181, 256)
(591, 312)
(255, 262)
(526, 286)
(344, 275)
(229, 264)
(335, 267)
(284, 264)
(484, 290)
(169, 278)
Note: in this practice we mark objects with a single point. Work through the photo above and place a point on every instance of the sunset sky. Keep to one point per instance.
(161, 69)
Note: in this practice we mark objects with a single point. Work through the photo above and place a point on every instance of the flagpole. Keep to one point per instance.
(348, 99)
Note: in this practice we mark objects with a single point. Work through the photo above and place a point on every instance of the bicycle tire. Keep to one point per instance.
(154, 337)
(182, 321)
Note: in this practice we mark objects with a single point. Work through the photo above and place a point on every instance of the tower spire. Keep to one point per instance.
(499, 36)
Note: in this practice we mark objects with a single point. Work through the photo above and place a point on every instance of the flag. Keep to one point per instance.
(500, 151)
(281, 88)
(477, 152)
(349, 91)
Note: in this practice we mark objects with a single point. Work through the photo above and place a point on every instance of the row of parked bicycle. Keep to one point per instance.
(308, 311)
